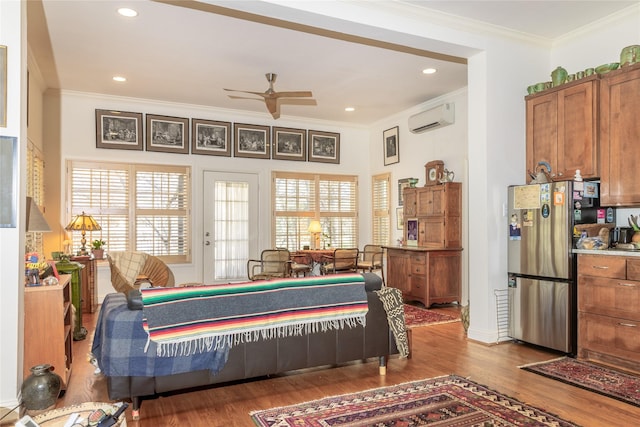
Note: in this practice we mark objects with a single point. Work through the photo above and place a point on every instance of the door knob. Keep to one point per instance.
(207, 243)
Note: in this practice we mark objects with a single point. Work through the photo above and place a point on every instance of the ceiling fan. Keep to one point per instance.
(274, 99)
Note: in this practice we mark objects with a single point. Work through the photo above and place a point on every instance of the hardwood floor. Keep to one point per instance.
(437, 350)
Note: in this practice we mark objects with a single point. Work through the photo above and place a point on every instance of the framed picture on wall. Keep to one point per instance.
(324, 147)
(3, 86)
(252, 141)
(167, 134)
(391, 144)
(412, 232)
(210, 137)
(289, 144)
(402, 184)
(118, 129)
(399, 218)
(8, 181)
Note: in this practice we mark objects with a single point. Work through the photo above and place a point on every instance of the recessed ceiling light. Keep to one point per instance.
(429, 71)
(129, 13)
(119, 79)
(349, 109)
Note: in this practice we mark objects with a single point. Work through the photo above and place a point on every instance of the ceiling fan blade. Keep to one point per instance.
(262, 94)
(297, 101)
(273, 106)
(295, 94)
(244, 97)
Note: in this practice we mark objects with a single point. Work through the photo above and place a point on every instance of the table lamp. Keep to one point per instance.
(83, 223)
(315, 229)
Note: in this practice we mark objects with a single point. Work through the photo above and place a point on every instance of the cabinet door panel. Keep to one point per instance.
(609, 297)
(542, 131)
(578, 112)
(610, 336)
(619, 133)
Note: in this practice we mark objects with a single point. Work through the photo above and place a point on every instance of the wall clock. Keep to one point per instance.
(434, 171)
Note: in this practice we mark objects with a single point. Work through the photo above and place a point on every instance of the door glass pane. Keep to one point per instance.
(231, 228)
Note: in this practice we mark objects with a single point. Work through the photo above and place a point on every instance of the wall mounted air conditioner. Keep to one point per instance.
(442, 115)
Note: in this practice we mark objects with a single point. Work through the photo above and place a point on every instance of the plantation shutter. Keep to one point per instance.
(381, 208)
(139, 207)
(300, 198)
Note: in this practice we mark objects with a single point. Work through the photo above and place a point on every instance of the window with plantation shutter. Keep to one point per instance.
(139, 207)
(381, 208)
(35, 190)
(299, 198)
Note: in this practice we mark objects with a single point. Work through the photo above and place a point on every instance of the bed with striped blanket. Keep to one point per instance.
(197, 319)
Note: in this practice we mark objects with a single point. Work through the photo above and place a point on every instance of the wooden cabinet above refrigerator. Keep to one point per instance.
(620, 137)
(562, 126)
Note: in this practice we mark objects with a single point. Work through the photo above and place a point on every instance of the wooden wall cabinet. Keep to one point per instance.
(47, 328)
(88, 284)
(438, 209)
(426, 275)
(562, 126)
(620, 137)
(430, 272)
(609, 310)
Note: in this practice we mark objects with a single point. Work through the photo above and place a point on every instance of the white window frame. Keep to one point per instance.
(105, 208)
(316, 197)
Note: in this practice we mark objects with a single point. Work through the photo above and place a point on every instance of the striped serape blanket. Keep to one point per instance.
(191, 320)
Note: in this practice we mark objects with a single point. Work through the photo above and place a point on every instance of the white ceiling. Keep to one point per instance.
(187, 53)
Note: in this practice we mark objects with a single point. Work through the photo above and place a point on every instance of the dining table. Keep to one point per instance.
(317, 257)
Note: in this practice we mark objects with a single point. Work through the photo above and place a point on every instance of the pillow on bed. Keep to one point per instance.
(134, 299)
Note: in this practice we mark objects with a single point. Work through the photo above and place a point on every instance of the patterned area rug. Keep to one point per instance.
(416, 316)
(592, 377)
(443, 401)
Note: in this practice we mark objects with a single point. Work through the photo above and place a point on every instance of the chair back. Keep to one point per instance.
(345, 259)
(129, 270)
(372, 254)
(275, 261)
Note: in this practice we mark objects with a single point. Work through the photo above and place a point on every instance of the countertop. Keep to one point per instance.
(610, 252)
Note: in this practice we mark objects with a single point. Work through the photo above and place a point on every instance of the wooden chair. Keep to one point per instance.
(371, 259)
(343, 260)
(273, 263)
(301, 263)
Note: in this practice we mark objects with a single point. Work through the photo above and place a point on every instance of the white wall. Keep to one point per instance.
(77, 133)
(448, 143)
(13, 36)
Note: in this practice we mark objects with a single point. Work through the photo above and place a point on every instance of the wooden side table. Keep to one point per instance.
(48, 328)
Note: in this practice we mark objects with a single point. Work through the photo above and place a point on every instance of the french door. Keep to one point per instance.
(230, 225)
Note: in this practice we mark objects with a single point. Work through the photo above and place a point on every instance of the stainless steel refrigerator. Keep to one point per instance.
(541, 265)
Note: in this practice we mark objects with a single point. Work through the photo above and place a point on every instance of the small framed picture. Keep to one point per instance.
(3, 86)
(167, 134)
(399, 218)
(412, 232)
(289, 144)
(402, 184)
(251, 141)
(324, 147)
(210, 137)
(391, 144)
(118, 129)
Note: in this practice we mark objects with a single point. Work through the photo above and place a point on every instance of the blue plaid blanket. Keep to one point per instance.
(122, 347)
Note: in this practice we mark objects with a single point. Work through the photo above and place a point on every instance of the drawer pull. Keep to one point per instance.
(600, 267)
(629, 285)
(630, 325)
